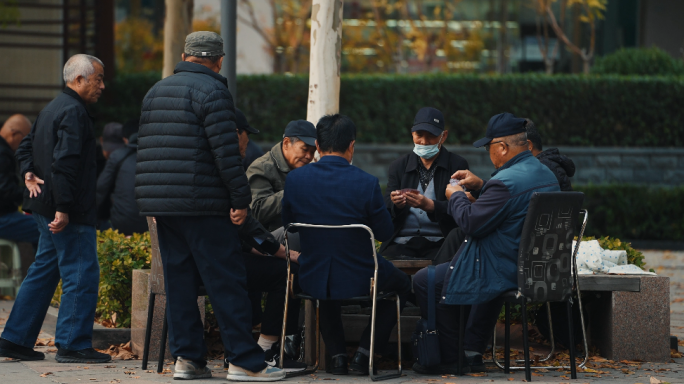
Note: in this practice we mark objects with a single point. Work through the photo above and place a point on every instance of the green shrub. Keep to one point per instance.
(639, 61)
(118, 257)
(569, 110)
(634, 212)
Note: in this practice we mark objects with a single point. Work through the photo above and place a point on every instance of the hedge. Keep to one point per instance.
(639, 61)
(568, 109)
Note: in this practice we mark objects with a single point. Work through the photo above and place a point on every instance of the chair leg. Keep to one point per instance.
(317, 335)
(507, 339)
(398, 333)
(282, 333)
(526, 345)
(162, 344)
(148, 330)
(461, 332)
(571, 337)
(372, 371)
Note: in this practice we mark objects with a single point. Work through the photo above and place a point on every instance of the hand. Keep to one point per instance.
(416, 200)
(238, 216)
(398, 199)
(450, 189)
(470, 197)
(32, 183)
(294, 256)
(59, 223)
(468, 180)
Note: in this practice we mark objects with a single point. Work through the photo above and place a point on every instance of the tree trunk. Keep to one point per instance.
(325, 60)
(177, 25)
(502, 62)
(586, 65)
(548, 62)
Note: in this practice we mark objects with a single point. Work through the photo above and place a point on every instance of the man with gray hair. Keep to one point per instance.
(57, 163)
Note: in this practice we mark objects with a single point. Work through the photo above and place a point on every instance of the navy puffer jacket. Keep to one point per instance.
(189, 160)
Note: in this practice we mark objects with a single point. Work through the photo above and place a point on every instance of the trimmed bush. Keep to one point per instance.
(568, 109)
(639, 61)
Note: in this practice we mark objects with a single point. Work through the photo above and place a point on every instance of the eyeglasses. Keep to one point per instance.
(486, 147)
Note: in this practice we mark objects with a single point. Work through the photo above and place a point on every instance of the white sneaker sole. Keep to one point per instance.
(242, 377)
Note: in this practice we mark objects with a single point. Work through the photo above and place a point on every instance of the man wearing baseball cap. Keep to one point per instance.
(421, 222)
(267, 174)
(492, 224)
(189, 176)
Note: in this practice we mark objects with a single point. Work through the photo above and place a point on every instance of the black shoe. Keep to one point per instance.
(359, 363)
(272, 357)
(336, 365)
(476, 364)
(84, 356)
(16, 351)
(425, 370)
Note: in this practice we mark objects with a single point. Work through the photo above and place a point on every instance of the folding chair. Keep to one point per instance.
(373, 296)
(547, 271)
(13, 280)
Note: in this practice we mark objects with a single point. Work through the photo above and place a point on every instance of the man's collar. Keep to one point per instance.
(279, 158)
(515, 160)
(333, 159)
(73, 94)
(4, 142)
(442, 160)
(186, 66)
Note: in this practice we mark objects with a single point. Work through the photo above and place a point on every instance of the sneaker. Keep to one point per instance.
(189, 370)
(236, 373)
(476, 364)
(272, 358)
(16, 351)
(84, 356)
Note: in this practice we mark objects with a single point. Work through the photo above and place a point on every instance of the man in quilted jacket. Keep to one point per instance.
(189, 176)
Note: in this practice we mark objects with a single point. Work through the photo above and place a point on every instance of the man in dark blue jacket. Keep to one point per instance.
(338, 264)
(485, 265)
(57, 162)
(189, 176)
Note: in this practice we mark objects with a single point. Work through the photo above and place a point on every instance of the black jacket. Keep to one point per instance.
(61, 150)
(403, 173)
(560, 165)
(10, 191)
(189, 162)
(254, 235)
(116, 183)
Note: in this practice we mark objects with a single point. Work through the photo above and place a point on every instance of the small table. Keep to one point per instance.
(410, 267)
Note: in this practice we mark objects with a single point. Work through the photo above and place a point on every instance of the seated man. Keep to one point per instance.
(420, 219)
(486, 263)
(338, 264)
(253, 150)
(561, 166)
(14, 225)
(267, 175)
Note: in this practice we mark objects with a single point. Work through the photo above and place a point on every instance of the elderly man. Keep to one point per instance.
(268, 173)
(189, 176)
(13, 225)
(334, 192)
(485, 265)
(420, 218)
(57, 161)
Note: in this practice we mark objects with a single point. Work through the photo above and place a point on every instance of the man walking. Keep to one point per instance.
(57, 161)
(189, 176)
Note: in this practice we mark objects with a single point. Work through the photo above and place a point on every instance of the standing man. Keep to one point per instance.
(189, 176)
(57, 161)
(13, 225)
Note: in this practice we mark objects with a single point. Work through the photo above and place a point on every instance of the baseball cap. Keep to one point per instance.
(501, 125)
(241, 122)
(301, 129)
(112, 137)
(429, 119)
(204, 43)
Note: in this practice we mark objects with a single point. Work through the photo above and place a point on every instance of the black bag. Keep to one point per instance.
(425, 338)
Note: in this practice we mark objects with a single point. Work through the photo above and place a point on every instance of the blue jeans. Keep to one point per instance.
(72, 256)
(19, 228)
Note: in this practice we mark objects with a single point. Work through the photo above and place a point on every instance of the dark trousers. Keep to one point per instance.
(205, 250)
(449, 247)
(332, 330)
(479, 326)
(418, 247)
(269, 274)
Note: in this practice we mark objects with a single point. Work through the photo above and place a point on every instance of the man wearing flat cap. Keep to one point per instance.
(189, 176)
(485, 265)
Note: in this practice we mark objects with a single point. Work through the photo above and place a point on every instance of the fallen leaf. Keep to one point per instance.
(675, 354)
(46, 374)
(510, 379)
(678, 300)
(477, 374)
(537, 374)
(115, 381)
(655, 381)
(110, 366)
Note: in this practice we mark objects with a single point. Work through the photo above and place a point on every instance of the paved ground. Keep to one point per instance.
(129, 371)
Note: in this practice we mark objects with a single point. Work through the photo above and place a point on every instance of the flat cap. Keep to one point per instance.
(204, 43)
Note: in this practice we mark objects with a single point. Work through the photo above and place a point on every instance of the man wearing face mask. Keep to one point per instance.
(420, 218)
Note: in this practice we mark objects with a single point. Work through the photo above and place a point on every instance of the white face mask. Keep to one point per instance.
(428, 151)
